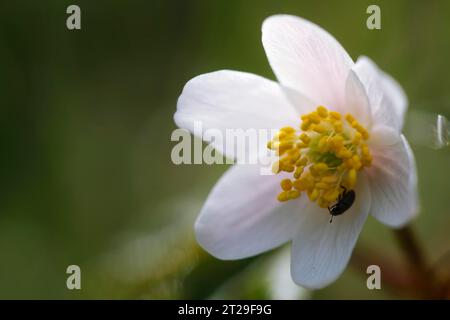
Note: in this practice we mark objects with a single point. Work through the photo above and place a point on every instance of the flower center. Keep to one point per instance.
(325, 154)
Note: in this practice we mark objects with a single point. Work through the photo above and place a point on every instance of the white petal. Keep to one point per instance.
(242, 216)
(233, 100)
(307, 58)
(321, 250)
(387, 99)
(383, 136)
(299, 101)
(393, 184)
(357, 101)
(413, 179)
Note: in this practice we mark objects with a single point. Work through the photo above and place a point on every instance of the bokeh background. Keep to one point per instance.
(86, 118)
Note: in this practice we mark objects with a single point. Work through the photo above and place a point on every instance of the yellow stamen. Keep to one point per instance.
(331, 195)
(320, 129)
(321, 185)
(338, 126)
(283, 196)
(286, 184)
(351, 178)
(305, 138)
(322, 111)
(329, 179)
(287, 130)
(314, 117)
(294, 194)
(313, 195)
(335, 115)
(350, 119)
(320, 167)
(298, 172)
(323, 157)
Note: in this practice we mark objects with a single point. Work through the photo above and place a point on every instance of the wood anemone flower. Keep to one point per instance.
(339, 127)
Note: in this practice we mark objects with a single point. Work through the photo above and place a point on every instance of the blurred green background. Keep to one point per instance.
(86, 118)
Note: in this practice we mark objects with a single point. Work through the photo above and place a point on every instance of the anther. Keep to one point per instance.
(325, 156)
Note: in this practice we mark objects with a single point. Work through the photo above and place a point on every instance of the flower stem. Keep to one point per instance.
(424, 277)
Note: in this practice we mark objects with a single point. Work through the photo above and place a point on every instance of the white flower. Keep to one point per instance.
(245, 214)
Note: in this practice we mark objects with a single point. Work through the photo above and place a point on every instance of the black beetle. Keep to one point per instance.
(344, 202)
